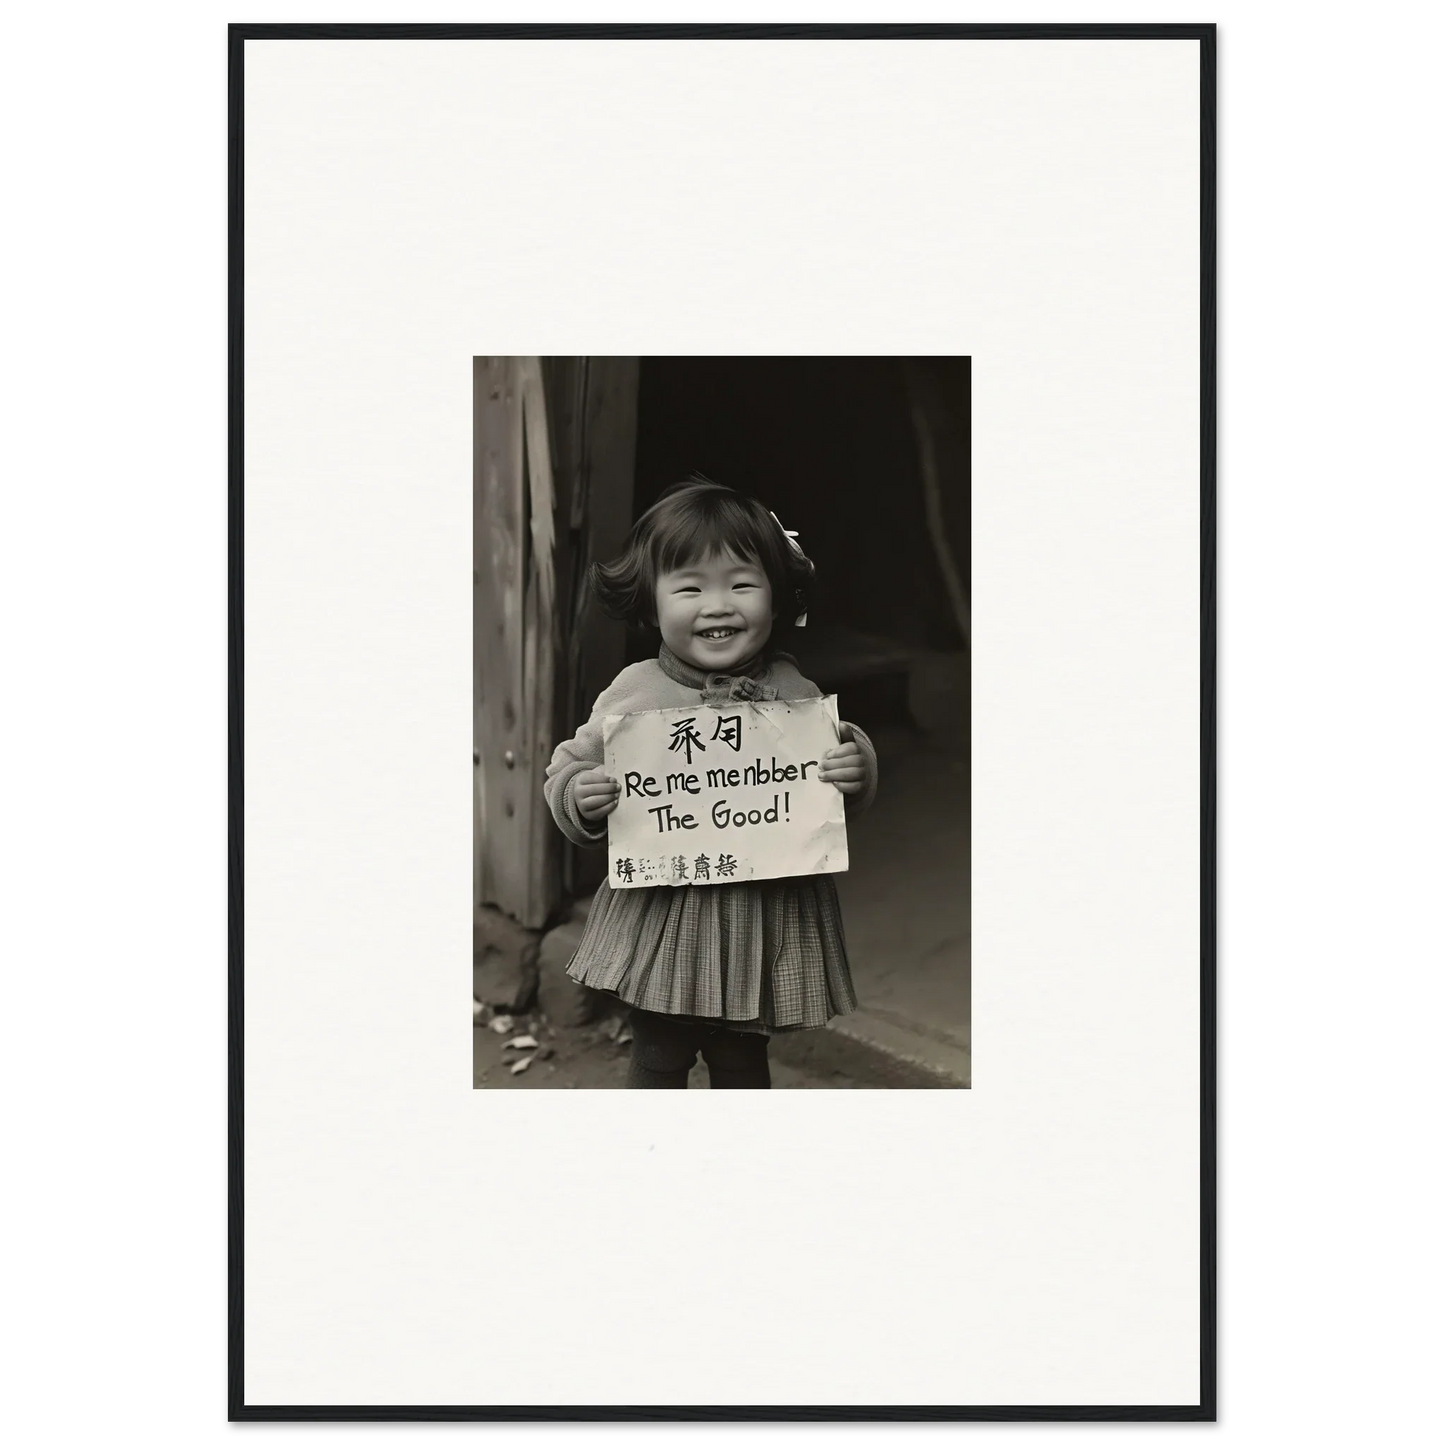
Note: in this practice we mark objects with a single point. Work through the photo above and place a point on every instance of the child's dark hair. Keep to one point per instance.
(692, 520)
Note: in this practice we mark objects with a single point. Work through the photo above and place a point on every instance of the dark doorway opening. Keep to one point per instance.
(833, 446)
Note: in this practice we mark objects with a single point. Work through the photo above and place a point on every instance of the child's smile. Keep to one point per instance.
(715, 612)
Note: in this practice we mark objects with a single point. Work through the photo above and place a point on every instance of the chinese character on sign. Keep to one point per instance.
(679, 869)
(700, 867)
(730, 730)
(625, 869)
(727, 865)
(686, 737)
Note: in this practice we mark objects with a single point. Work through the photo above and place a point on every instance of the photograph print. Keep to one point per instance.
(721, 740)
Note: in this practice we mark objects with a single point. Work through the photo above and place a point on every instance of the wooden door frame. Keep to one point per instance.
(554, 444)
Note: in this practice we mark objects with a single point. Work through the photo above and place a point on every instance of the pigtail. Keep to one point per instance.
(800, 559)
(623, 587)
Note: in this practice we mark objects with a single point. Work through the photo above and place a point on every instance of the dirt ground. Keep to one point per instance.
(594, 1057)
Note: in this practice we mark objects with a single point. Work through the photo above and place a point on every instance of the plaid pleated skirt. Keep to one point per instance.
(764, 957)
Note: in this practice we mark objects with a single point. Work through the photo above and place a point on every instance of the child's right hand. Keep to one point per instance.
(595, 794)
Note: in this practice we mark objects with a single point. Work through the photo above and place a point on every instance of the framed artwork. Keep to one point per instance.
(782, 456)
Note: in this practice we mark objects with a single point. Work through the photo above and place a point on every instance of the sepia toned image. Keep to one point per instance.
(721, 722)
(849, 608)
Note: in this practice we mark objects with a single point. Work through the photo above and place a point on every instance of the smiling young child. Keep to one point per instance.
(711, 968)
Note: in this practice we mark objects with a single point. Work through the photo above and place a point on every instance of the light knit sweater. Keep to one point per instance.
(667, 682)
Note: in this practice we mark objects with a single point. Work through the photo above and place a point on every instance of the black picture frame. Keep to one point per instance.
(1211, 35)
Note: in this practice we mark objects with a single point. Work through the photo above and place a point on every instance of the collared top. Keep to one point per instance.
(751, 682)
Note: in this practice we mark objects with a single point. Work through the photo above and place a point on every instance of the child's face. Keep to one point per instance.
(715, 612)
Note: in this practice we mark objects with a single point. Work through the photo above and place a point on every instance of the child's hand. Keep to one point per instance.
(596, 794)
(843, 766)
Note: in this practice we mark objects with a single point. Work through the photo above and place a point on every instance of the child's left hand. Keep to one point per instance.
(843, 766)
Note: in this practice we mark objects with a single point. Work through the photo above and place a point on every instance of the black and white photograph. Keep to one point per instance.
(722, 562)
(761, 878)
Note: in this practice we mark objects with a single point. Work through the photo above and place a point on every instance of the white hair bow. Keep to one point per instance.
(792, 537)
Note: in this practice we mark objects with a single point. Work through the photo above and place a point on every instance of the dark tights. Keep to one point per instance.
(665, 1048)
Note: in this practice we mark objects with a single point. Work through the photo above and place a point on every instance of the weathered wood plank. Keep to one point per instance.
(602, 514)
(554, 455)
(564, 386)
(498, 631)
(541, 645)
